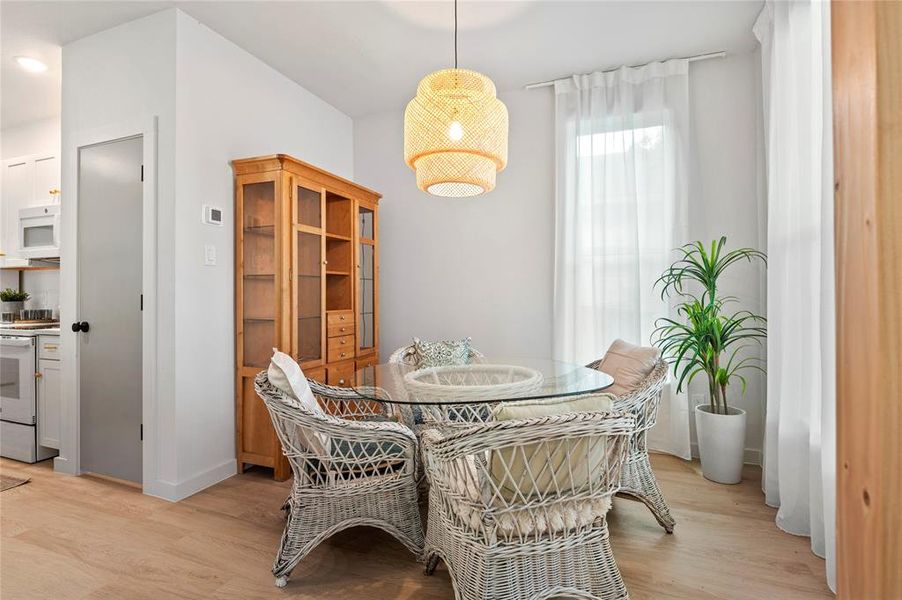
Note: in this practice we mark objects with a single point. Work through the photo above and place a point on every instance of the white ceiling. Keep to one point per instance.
(365, 57)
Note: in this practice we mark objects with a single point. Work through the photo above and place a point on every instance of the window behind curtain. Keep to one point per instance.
(634, 246)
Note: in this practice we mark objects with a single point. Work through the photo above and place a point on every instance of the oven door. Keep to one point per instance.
(39, 229)
(17, 387)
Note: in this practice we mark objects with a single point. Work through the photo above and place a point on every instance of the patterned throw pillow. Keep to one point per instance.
(441, 354)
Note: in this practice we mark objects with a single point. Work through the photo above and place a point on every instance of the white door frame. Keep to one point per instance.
(69, 460)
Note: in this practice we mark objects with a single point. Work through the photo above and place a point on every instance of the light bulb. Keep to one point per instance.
(455, 131)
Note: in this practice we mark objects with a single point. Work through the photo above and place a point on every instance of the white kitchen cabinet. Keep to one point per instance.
(46, 179)
(49, 392)
(26, 182)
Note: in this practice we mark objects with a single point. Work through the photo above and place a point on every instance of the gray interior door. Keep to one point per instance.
(109, 301)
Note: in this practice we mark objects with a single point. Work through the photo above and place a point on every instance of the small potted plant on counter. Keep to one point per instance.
(705, 339)
(13, 303)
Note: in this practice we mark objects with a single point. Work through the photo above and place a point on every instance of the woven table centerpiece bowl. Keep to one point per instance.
(472, 383)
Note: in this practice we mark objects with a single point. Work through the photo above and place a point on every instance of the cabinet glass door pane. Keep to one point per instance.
(259, 272)
(366, 224)
(309, 209)
(308, 266)
(366, 301)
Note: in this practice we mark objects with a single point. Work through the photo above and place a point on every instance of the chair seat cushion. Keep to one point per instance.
(536, 469)
(629, 365)
(502, 523)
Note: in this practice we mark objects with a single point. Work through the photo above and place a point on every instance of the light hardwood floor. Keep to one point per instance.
(84, 537)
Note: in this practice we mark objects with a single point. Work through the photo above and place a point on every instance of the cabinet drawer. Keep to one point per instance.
(340, 317)
(316, 374)
(363, 363)
(340, 329)
(344, 342)
(49, 347)
(338, 353)
(341, 375)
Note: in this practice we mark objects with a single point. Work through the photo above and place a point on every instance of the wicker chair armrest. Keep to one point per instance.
(355, 430)
(429, 437)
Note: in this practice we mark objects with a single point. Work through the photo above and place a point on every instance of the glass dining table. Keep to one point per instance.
(466, 393)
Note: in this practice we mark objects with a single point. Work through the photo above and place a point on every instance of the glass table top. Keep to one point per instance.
(485, 380)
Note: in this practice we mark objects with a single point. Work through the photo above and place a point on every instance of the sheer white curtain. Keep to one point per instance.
(620, 208)
(800, 433)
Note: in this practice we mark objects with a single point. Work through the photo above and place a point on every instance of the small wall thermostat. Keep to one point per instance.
(212, 215)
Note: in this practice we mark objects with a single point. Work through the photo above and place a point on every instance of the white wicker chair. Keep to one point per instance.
(413, 416)
(638, 480)
(348, 469)
(517, 508)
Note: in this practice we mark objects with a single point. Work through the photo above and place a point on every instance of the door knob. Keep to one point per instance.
(83, 326)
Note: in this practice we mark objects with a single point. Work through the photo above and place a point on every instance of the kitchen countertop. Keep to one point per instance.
(11, 329)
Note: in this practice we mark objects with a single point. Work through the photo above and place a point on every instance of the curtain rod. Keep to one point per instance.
(705, 56)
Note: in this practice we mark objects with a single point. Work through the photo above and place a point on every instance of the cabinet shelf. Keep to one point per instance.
(338, 237)
(262, 230)
(339, 273)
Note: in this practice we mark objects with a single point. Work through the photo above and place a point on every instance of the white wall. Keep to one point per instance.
(36, 137)
(479, 267)
(725, 101)
(214, 103)
(229, 105)
(483, 266)
(121, 76)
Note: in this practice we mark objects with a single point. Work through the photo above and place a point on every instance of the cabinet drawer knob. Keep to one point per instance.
(341, 318)
(38, 375)
(341, 381)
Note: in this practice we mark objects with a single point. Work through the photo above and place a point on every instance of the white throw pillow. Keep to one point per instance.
(287, 375)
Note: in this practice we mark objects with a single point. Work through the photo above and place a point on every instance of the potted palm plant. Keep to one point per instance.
(707, 339)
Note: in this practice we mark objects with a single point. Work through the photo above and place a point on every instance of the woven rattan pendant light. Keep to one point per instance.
(455, 132)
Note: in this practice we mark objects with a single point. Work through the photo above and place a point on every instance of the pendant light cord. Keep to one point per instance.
(455, 34)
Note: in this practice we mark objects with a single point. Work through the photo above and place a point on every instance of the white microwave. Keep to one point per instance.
(39, 231)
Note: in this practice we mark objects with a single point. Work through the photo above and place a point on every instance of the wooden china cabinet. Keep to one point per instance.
(306, 282)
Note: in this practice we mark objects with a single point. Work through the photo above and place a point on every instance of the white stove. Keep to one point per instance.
(22, 423)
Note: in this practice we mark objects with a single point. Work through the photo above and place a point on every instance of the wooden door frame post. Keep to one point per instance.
(867, 142)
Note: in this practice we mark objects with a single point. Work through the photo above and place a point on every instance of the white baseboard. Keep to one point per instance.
(200, 481)
(750, 457)
(63, 466)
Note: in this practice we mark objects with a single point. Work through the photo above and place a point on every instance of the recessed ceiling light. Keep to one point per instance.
(32, 65)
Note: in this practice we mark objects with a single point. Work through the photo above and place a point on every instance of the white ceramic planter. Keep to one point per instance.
(721, 443)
